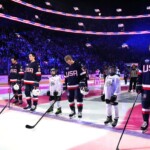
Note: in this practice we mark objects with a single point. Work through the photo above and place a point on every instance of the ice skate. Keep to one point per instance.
(108, 120)
(59, 111)
(114, 123)
(72, 114)
(144, 127)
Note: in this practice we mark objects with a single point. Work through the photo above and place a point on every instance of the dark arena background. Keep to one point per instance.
(97, 34)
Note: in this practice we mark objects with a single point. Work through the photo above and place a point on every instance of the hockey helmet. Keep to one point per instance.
(112, 70)
(16, 87)
(84, 90)
(133, 66)
(36, 92)
(54, 70)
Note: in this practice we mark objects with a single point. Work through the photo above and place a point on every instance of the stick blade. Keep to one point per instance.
(29, 127)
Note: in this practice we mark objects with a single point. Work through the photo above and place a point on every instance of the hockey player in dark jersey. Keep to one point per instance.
(74, 80)
(86, 78)
(32, 76)
(14, 79)
(143, 87)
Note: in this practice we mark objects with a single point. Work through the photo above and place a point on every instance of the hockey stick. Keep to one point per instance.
(117, 148)
(8, 103)
(31, 127)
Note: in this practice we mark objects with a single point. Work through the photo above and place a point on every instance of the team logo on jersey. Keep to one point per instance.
(146, 68)
(29, 70)
(72, 73)
(52, 83)
(109, 82)
(13, 70)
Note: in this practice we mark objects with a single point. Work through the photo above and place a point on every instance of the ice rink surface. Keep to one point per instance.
(62, 133)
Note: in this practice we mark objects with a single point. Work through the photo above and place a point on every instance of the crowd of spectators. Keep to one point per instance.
(51, 48)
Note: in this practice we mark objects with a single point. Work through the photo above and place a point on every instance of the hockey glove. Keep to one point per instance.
(82, 84)
(48, 93)
(113, 98)
(139, 89)
(55, 93)
(64, 87)
(18, 81)
(103, 97)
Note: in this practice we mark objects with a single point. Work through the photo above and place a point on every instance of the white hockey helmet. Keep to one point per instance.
(53, 71)
(36, 92)
(16, 87)
(84, 90)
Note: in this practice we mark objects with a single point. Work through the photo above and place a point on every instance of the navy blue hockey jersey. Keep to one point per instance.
(74, 75)
(32, 73)
(16, 73)
(144, 75)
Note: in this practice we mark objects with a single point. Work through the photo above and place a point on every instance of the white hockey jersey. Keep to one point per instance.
(55, 84)
(111, 86)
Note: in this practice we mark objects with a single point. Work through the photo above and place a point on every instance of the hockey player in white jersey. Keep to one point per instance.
(111, 90)
(55, 90)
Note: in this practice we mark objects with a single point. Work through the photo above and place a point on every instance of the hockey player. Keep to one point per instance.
(32, 77)
(15, 77)
(97, 76)
(105, 72)
(111, 90)
(143, 87)
(133, 77)
(84, 69)
(55, 87)
(74, 80)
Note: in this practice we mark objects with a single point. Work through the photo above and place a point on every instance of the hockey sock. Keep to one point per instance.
(20, 97)
(109, 109)
(146, 117)
(58, 104)
(16, 97)
(80, 107)
(35, 102)
(29, 102)
(72, 106)
(116, 111)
